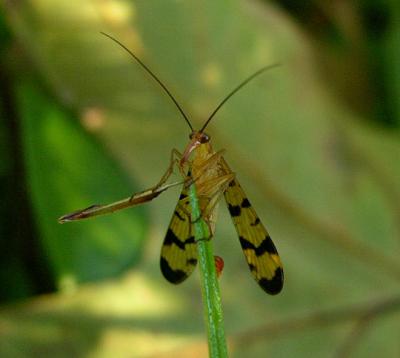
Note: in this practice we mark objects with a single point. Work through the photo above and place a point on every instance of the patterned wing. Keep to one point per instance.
(259, 250)
(179, 252)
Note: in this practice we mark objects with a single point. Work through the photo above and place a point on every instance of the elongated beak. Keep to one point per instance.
(193, 144)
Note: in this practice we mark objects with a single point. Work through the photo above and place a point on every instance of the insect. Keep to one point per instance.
(208, 170)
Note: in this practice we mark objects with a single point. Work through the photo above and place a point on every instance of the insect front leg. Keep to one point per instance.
(174, 159)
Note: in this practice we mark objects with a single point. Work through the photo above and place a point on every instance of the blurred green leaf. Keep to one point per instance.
(66, 170)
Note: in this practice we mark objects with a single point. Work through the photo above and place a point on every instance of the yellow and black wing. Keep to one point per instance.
(259, 250)
(179, 252)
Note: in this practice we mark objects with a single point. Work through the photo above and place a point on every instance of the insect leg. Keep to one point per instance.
(135, 199)
(174, 160)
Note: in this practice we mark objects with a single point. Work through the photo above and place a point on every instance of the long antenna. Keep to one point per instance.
(152, 75)
(247, 80)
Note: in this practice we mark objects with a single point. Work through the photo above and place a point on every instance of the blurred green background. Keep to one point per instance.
(315, 144)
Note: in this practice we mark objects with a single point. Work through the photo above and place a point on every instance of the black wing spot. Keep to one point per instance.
(191, 262)
(173, 276)
(273, 286)
(232, 183)
(190, 240)
(171, 238)
(252, 268)
(182, 196)
(256, 222)
(246, 244)
(179, 216)
(266, 246)
(245, 203)
(234, 210)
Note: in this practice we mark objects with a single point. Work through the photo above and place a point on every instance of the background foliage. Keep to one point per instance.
(315, 144)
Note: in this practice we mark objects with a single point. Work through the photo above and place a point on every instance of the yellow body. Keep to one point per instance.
(213, 177)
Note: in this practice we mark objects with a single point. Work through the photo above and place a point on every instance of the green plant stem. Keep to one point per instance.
(209, 282)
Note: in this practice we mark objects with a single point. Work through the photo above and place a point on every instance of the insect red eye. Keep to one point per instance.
(204, 138)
